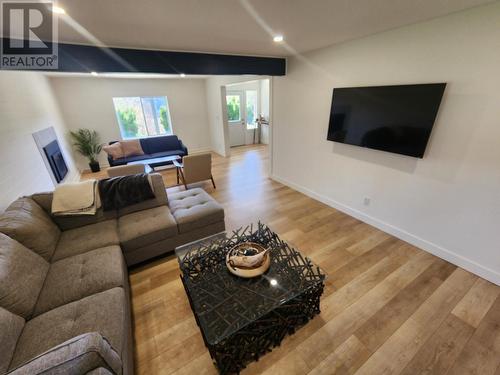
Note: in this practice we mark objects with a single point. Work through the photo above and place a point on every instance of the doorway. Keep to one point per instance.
(236, 117)
(245, 104)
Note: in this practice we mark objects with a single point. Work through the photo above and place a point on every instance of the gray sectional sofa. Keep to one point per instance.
(64, 291)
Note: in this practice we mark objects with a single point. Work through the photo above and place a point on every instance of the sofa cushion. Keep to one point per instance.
(103, 313)
(142, 228)
(80, 276)
(131, 148)
(114, 150)
(44, 200)
(158, 144)
(11, 326)
(159, 192)
(77, 221)
(22, 273)
(194, 208)
(90, 237)
(27, 222)
(78, 355)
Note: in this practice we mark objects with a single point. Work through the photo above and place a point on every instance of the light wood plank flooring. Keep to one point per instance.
(388, 307)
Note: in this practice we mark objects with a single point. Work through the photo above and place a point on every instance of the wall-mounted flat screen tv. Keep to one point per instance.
(396, 119)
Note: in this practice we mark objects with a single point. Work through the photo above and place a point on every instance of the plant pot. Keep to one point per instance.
(94, 166)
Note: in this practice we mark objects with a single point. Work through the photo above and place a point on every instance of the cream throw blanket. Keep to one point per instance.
(79, 198)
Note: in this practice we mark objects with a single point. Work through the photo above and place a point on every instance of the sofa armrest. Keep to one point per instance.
(159, 189)
(110, 158)
(183, 148)
(79, 355)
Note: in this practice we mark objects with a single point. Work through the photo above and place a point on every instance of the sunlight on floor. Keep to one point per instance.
(245, 176)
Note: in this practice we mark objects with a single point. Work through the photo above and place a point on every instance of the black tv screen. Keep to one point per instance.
(396, 119)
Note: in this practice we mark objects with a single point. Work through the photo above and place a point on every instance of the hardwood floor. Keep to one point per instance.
(388, 307)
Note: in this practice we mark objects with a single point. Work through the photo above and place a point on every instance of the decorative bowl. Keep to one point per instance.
(248, 259)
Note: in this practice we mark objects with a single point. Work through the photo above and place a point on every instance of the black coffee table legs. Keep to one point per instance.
(259, 337)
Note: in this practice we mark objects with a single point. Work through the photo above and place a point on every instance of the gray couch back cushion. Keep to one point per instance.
(44, 200)
(160, 197)
(11, 326)
(22, 273)
(27, 222)
(73, 221)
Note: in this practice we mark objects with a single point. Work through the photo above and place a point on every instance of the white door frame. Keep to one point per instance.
(227, 87)
(271, 127)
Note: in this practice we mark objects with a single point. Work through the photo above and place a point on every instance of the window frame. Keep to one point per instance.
(156, 119)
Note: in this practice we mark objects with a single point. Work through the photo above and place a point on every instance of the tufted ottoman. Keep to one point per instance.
(194, 209)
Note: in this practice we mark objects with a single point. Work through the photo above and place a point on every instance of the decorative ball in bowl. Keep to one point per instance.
(248, 259)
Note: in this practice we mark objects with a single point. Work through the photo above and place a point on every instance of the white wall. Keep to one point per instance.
(447, 203)
(215, 93)
(27, 106)
(86, 102)
(215, 88)
(244, 86)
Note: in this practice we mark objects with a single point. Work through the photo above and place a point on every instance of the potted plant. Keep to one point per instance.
(88, 144)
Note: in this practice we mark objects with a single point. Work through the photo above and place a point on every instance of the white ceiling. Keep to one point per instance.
(241, 26)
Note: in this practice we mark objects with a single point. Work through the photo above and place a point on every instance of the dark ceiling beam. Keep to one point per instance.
(85, 59)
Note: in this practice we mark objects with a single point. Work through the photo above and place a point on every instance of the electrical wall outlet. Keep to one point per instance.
(366, 201)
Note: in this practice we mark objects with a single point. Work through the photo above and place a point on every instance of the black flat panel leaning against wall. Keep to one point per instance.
(56, 160)
(86, 59)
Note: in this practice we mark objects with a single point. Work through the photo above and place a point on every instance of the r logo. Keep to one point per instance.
(28, 36)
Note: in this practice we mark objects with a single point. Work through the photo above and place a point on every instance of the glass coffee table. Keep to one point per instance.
(149, 164)
(242, 319)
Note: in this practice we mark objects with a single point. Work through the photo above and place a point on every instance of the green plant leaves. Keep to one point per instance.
(87, 143)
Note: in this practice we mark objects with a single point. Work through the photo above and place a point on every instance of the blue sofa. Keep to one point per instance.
(154, 147)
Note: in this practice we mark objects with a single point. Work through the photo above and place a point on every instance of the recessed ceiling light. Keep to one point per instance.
(273, 282)
(58, 10)
(93, 73)
(278, 38)
(183, 75)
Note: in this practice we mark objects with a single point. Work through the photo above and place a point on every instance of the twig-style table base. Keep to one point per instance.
(242, 319)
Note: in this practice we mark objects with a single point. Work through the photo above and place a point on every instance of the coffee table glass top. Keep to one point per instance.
(163, 159)
(224, 303)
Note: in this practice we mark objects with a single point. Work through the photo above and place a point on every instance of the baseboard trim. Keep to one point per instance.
(439, 251)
